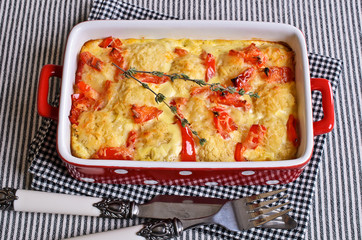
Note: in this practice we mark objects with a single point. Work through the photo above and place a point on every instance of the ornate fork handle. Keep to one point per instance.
(161, 229)
(170, 228)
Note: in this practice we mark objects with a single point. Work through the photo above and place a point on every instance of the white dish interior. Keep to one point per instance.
(194, 30)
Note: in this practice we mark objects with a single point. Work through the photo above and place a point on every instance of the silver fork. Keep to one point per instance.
(236, 215)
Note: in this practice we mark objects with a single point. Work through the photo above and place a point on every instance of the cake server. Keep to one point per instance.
(161, 206)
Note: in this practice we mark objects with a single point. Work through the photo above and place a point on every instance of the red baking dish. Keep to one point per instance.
(187, 173)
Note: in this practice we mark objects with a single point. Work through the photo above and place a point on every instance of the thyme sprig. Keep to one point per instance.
(215, 87)
(160, 98)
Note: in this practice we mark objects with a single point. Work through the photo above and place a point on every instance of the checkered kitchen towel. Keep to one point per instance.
(49, 173)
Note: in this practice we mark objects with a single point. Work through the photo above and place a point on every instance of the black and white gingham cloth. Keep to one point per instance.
(49, 173)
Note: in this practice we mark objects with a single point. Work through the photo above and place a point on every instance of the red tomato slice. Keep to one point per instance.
(116, 43)
(87, 90)
(210, 64)
(188, 153)
(242, 81)
(110, 42)
(118, 153)
(279, 75)
(79, 104)
(91, 60)
(229, 99)
(199, 90)
(239, 150)
(106, 42)
(131, 140)
(78, 75)
(223, 123)
(292, 133)
(224, 98)
(181, 52)
(117, 57)
(253, 140)
(149, 78)
(144, 113)
(251, 55)
(178, 103)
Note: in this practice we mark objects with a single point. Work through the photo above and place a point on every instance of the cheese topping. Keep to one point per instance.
(106, 103)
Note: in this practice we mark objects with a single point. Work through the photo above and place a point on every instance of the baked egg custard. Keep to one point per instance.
(184, 100)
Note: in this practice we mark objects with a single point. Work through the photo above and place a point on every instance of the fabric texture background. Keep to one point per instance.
(37, 32)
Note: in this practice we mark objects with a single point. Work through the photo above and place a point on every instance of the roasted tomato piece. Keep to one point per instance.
(91, 60)
(110, 42)
(279, 75)
(116, 43)
(199, 90)
(210, 64)
(181, 52)
(188, 153)
(253, 140)
(229, 99)
(80, 104)
(242, 81)
(292, 133)
(86, 99)
(131, 140)
(178, 103)
(149, 78)
(119, 153)
(251, 55)
(87, 90)
(144, 113)
(106, 42)
(117, 58)
(223, 123)
(78, 74)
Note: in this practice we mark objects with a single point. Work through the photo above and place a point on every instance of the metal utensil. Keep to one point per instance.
(236, 215)
(162, 206)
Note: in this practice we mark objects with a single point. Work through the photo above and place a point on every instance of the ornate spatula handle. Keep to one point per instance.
(114, 208)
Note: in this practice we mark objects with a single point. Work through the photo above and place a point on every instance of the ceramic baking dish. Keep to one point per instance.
(187, 173)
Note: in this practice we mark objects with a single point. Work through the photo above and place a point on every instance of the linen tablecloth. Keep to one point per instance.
(61, 226)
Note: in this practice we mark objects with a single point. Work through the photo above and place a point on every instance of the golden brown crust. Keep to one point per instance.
(160, 138)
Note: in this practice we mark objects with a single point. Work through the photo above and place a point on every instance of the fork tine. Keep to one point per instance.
(261, 221)
(263, 195)
(266, 210)
(255, 206)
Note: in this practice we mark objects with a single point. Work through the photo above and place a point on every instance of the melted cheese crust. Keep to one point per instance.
(160, 139)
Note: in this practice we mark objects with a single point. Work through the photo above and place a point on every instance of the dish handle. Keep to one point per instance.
(327, 123)
(44, 108)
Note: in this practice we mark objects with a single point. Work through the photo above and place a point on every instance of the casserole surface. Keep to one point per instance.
(110, 123)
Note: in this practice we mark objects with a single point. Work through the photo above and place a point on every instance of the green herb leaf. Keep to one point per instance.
(145, 85)
(195, 133)
(202, 141)
(200, 82)
(184, 122)
(160, 98)
(157, 73)
(231, 89)
(184, 76)
(173, 109)
(241, 92)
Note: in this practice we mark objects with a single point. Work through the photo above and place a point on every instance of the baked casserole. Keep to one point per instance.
(222, 100)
